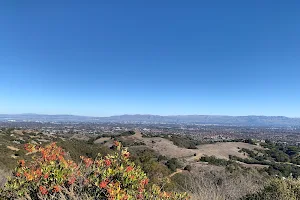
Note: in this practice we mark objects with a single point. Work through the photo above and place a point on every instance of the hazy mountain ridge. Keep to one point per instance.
(200, 119)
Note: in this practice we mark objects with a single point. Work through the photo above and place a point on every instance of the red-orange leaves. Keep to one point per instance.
(43, 190)
(29, 147)
(144, 182)
(140, 196)
(88, 161)
(56, 188)
(107, 162)
(38, 172)
(29, 176)
(116, 143)
(71, 180)
(129, 168)
(22, 163)
(103, 184)
(46, 176)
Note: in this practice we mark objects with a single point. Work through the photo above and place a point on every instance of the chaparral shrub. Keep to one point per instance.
(53, 175)
(278, 188)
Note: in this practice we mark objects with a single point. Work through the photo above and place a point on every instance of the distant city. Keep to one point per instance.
(206, 128)
(273, 121)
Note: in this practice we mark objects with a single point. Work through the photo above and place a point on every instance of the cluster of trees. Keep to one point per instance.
(150, 163)
(283, 170)
(127, 133)
(173, 164)
(156, 166)
(256, 157)
(216, 161)
(282, 152)
(273, 168)
(184, 142)
(250, 141)
(249, 160)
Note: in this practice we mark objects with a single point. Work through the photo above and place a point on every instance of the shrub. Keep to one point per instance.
(127, 133)
(219, 184)
(283, 189)
(161, 157)
(52, 175)
(250, 141)
(216, 161)
(184, 142)
(147, 159)
(173, 164)
(188, 168)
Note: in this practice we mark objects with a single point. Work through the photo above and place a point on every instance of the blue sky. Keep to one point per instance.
(166, 57)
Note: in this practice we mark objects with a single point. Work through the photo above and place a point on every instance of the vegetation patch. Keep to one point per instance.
(184, 142)
(216, 161)
(52, 175)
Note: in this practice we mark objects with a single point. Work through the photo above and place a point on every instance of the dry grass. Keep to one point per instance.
(167, 148)
(220, 150)
(80, 137)
(224, 149)
(219, 185)
(102, 140)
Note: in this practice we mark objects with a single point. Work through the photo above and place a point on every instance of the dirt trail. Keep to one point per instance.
(177, 172)
(13, 148)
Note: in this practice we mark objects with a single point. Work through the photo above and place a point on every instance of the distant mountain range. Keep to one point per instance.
(188, 119)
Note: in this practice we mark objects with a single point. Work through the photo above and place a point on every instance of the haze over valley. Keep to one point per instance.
(185, 119)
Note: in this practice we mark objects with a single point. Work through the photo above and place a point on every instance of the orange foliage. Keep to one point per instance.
(110, 177)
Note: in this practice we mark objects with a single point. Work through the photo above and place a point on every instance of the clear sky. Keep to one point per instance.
(164, 57)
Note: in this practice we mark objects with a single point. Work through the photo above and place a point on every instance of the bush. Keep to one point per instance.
(161, 158)
(53, 175)
(250, 141)
(251, 153)
(216, 161)
(148, 160)
(188, 168)
(127, 133)
(173, 164)
(184, 142)
(77, 148)
(281, 189)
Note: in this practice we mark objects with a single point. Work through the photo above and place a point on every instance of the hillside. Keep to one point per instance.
(228, 170)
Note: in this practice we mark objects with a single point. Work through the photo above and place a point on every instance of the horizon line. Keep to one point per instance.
(149, 114)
